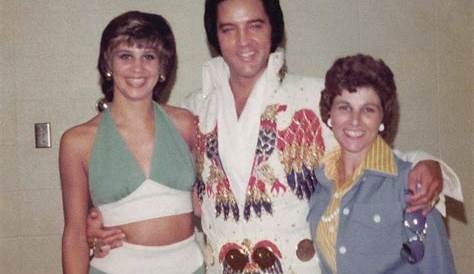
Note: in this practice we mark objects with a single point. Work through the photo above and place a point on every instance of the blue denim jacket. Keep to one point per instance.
(371, 232)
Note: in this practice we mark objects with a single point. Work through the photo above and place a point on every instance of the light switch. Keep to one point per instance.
(42, 135)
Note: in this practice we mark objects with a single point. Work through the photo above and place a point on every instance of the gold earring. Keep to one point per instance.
(161, 78)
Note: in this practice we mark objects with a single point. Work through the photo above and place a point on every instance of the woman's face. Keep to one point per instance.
(135, 71)
(355, 119)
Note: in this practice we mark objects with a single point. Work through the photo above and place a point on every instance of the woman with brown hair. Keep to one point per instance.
(133, 160)
(357, 217)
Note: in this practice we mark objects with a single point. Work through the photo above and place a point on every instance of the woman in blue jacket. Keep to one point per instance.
(357, 216)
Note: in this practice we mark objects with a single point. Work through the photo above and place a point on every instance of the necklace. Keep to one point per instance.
(330, 217)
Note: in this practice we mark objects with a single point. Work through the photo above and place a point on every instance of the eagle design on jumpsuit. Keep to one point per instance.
(300, 147)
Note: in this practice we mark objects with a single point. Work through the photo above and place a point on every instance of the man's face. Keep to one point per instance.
(244, 34)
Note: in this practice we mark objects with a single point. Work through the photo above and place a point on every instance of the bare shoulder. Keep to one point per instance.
(183, 120)
(79, 139)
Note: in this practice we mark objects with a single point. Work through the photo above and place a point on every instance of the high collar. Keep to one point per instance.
(237, 136)
(216, 73)
(379, 158)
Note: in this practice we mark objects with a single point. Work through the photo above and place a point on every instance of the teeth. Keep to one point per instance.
(246, 54)
(354, 133)
(136, 81)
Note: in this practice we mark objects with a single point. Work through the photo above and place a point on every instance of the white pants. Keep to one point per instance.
(183, 257)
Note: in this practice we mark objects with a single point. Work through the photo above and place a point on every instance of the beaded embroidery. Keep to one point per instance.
(262, 176)
(263, 257)
(217, 183)
(300, 146)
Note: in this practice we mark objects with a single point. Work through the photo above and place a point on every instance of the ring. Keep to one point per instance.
(92, 242)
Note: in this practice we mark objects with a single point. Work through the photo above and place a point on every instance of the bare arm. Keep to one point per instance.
(104, 238)
(75, 251)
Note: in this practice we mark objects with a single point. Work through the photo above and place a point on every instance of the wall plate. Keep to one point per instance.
(43, 135)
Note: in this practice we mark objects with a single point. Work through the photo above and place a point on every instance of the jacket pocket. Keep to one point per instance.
(374, 229)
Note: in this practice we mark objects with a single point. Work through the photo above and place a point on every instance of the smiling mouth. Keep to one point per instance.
(354, 133)
(246, 56)
(136, 81)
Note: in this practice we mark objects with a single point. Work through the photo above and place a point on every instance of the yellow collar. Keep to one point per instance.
(379, 158)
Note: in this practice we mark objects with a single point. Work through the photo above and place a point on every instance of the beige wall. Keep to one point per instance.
(48, 52)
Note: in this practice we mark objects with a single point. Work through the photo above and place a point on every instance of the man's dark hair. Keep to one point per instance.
(272, 9)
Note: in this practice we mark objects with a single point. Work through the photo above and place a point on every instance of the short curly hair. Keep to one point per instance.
(355, 71)
(141, 29)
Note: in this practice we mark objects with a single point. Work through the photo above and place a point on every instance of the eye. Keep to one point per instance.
(226, 28)
(370, 109)
(344, 107)
(149, 57)
(125, 56)
(256, 26)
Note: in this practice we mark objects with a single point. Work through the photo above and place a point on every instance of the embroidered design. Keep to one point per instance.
(263, 257)
(262, 177)
(217, 183)
(301, 147)
(199, 149)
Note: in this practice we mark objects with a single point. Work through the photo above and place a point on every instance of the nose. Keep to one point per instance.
(137, 64)
(355, 118)
(243, 37)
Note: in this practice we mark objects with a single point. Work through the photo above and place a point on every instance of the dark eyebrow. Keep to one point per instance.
(258, 20)
(122, 51)
(223, 25)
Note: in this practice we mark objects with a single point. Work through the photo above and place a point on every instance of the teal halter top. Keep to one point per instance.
(114, 173)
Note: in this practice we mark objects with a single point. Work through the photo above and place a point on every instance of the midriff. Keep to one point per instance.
(159, 231)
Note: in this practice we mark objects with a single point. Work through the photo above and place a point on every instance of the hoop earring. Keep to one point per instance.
(329, 122)
(381, 127)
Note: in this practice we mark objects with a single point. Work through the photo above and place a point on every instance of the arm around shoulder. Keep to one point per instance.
(451, 184)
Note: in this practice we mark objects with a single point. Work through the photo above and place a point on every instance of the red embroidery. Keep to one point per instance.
(217, 183)
(301, 147)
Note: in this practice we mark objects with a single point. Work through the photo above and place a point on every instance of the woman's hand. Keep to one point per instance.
(425, 182)
(196, 203)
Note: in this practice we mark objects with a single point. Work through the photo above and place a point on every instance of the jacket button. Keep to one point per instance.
(377, 218)
(342, 250)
